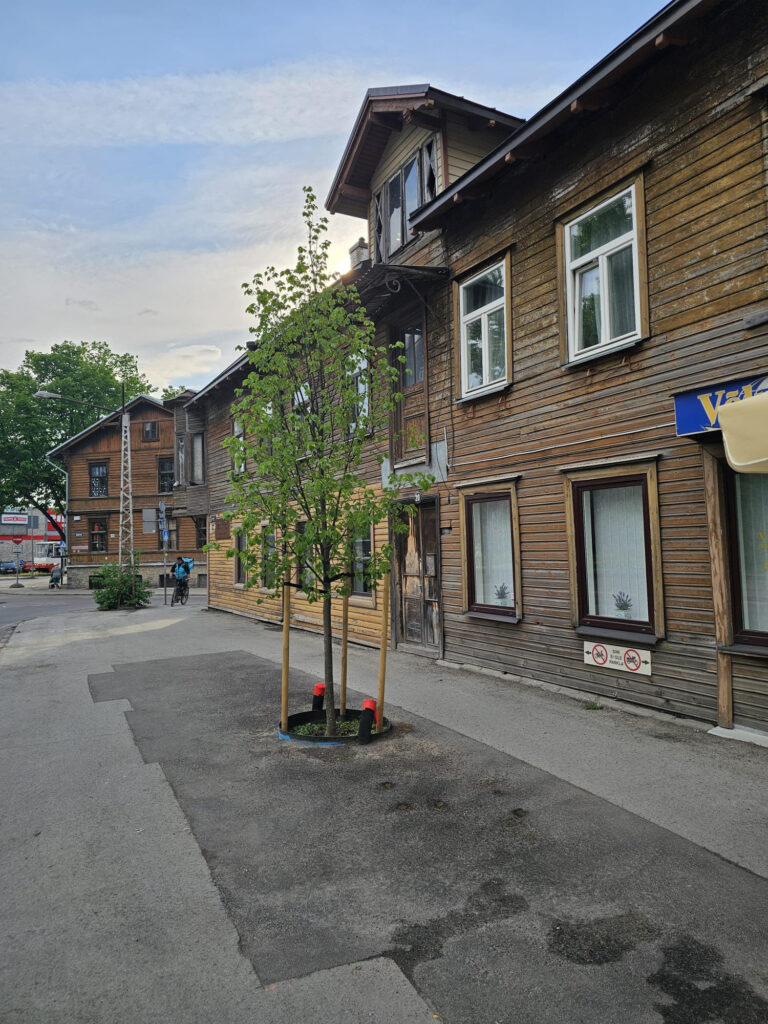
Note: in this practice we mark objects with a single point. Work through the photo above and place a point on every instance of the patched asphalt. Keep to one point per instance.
(503, 893)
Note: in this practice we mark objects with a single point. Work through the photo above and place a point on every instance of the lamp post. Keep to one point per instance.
(125, 549)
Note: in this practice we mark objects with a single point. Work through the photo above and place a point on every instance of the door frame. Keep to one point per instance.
(397, 641)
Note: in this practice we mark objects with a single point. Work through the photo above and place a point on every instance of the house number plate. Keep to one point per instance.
(625, 659)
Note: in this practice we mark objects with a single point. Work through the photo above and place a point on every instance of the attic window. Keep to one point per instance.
(414, 184)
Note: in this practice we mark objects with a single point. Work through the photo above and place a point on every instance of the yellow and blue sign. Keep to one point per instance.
(697, 412)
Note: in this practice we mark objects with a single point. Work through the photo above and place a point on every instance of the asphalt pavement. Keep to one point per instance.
(505, 855)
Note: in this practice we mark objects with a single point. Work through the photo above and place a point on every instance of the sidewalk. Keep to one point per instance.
(113, 914)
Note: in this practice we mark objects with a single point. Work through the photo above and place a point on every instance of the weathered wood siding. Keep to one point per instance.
(703, 162)
(104, 446)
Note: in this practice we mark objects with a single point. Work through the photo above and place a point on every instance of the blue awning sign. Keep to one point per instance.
(696, 412)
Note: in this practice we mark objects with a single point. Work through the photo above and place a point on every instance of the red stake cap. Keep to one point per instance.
(319, 689)
(369, 705)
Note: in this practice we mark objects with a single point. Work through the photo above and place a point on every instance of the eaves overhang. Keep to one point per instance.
(672, 26)
(383, 286)
(108, 419)
(382, 112)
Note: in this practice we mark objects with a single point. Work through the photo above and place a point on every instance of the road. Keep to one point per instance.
(36, 601)
(505, 855)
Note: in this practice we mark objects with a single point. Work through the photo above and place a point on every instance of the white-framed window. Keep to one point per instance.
(238, 456)
(602, 276)
(360, 382)
(361, 584)
(483, 316)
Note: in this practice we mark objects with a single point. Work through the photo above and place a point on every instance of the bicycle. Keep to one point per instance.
(180, 592)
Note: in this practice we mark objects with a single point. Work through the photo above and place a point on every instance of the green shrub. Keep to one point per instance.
(121, 588)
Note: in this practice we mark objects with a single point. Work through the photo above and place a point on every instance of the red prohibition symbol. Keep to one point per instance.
(632, 660)
(599, 654)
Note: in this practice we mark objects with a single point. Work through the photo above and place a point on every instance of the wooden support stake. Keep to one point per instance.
(383, 648)
(344, 636)
(286, 652)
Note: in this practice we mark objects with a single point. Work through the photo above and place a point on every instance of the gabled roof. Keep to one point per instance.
(383, 111)
(108, 419)
(672, 26)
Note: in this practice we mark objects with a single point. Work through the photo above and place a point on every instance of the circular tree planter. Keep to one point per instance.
(302, 717)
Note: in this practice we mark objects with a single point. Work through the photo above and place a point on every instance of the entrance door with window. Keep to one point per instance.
(418, 611)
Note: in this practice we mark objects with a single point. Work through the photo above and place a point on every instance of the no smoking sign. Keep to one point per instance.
(625, 659)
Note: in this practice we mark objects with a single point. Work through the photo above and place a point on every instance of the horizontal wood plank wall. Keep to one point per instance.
(226, 595)
(104, 446)
(704, 175)
(465, 146)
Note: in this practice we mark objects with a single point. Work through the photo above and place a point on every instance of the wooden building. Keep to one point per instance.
(92, 462)
(606, 265)
(579, 296)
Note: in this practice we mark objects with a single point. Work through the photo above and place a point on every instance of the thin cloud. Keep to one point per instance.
(83, 304)
(147, 312)
(277, 105)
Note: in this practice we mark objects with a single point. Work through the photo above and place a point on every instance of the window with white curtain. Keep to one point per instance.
(490, 567)
(749, 500)
(612, 547)
(483, 330)
(197, 467)
(602, 276)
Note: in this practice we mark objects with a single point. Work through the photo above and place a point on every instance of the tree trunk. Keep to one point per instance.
(45, 512)
(330, 697)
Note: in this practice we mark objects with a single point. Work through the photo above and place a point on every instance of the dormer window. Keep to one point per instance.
(414, 184)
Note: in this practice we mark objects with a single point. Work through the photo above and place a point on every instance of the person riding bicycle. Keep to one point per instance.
(181, 572)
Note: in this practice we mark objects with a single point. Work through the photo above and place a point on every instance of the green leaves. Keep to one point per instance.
(89, 372)
(316, 409)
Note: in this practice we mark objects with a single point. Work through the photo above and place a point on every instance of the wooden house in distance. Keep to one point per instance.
(603, 294)
(92, 461)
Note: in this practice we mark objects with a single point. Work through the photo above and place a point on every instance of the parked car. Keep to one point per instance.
(9, 568)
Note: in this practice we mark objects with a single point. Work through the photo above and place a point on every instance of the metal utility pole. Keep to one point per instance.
(125, 549)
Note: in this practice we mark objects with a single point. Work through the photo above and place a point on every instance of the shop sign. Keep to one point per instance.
(696, 412)
(15, 519)
(623, 659)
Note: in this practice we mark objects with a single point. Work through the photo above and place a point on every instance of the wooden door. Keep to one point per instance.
(419, 619)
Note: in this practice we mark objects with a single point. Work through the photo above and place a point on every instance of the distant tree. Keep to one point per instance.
(317, 400)
(172, 390)
(88, 373)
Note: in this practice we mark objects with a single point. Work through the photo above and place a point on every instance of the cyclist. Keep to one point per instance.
(181, 572)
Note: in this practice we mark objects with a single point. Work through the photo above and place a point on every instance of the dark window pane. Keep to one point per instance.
(486, 289)
(411, 186)
(394, 190)
(165, 475)
(98, 480)
(595, 230)
(413, 342)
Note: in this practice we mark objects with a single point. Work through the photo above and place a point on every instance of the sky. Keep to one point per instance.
(153, 153)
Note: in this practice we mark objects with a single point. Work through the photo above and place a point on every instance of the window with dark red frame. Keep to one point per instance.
(613, 553)
(747, 504)
(490, 554)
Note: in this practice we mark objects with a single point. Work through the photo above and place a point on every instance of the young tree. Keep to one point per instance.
(315, 405)
(88, 372)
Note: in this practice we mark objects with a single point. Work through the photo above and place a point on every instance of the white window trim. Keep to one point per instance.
(573, 266)
(482, 312)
